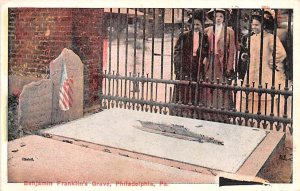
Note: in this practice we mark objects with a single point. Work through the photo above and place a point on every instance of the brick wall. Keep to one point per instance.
(38, 35)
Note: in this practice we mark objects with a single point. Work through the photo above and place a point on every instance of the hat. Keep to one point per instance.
(210, 13)
(268, 15)
(198, 14)
(268, 18)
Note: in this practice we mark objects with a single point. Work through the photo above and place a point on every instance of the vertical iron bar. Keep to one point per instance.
(192, 50)
(260, 61)
(129, 90)
(212, 61)
(121, 89)
(101, 66)
(113, 90)
(241, 101)
(172, 45)
(191, 61)
(225, 61)
(249, 46)
(138, 86)
(261, 47)
(247, 98)
(134, 85)
(248, 66)
(147, 91)
(214, 48)
(110, 43)
(126, 54)
(113, 84)
(170, 95)
(135, 35)
(289, 60)
(118, 53)
(252, 107)
(278, 125)
(206, 90)
(165, 93)
(152, 61)
(225, 47)
(274, 48)
(252, 104)
(266, 97)
(181, 55)
(170, 100)
(202, 36)
(147, 86)
(162, 44)
(156, 88)
(121, 92)
(234, 100)
(217, 92)
(278, 103)
(185, 94)
(166, 90)
(199, 63)
(274, 63)
(144, 45)
(223, 94)
(105, 86)
(236, 40)
(266, 105)
(190, 94)
(292, 101)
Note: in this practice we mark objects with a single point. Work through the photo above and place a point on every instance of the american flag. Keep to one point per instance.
(65, 91)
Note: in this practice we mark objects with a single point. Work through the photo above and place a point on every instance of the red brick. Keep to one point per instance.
(28, 44)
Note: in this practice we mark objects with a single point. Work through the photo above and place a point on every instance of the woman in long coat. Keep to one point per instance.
(189, 53)
(220, 64)
(267, 64)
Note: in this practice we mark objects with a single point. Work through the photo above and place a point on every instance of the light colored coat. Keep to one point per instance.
(266, 77)
(267, 60)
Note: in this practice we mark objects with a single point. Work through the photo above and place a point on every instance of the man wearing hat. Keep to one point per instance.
(267, 61)
(189, 52)
(221, 58)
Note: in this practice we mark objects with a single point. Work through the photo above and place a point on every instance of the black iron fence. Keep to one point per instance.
(142, 71)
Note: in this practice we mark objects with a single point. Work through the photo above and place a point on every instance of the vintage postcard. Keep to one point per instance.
(121, 95)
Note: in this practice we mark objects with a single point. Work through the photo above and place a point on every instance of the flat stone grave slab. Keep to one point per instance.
(224, 147)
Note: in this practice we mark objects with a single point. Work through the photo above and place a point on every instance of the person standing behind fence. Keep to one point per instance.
(189, 52)
(267, 63)
(221, 58)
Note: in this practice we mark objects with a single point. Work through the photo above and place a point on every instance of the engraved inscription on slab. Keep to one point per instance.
(35, 105)
(74, 72)
(177, 131)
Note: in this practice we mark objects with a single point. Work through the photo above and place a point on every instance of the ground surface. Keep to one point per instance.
(280, 170)
(36, 159)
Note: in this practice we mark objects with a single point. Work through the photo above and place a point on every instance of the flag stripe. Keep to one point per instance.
(62, 104)
(65, 92)
(68, 94)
